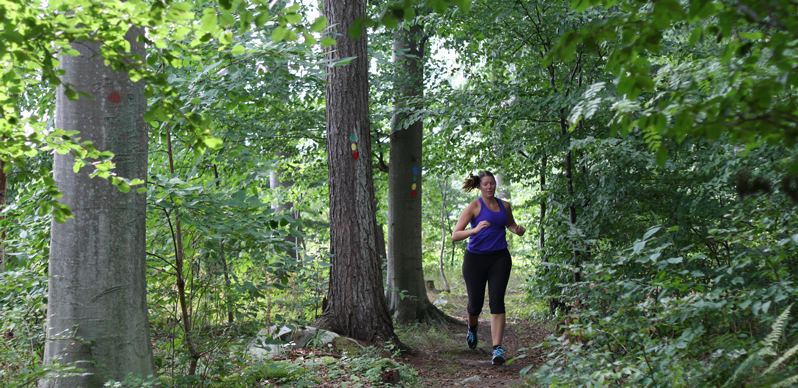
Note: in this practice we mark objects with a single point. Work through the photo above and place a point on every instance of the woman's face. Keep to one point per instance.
(487, 185)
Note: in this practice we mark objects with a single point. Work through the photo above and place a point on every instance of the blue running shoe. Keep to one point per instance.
(471, 339)
(498, 356)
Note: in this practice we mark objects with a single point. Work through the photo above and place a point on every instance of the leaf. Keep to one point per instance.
(319, 24)
(651, 232)
(327, 42)
(213, 142)
(279, 33)
(390, 21)
(238, 49)
(262, 18)
(356, 29)
(293, 18)
(342, 62)
(309, 39)
(662, 156)
(71, 94)
(209, 20)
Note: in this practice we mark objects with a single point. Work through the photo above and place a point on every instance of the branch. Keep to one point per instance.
(164, 260)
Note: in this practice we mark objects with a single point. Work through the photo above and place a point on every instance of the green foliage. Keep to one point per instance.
(768, 349)
(276, 371)
(22, 314)
(697, 68)
(131, 381)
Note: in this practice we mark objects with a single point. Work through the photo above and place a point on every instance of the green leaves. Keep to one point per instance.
(320, 24)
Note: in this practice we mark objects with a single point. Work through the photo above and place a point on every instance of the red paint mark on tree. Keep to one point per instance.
(114, 97)
(354, 155)
(414, 193)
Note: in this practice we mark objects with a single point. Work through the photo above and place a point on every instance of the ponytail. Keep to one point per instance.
(470, 183)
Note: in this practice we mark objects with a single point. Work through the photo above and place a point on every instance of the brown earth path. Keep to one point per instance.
(444, 360)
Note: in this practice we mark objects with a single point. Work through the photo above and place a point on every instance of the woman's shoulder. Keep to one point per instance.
(505, 203)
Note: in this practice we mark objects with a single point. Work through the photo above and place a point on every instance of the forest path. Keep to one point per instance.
(444, 360)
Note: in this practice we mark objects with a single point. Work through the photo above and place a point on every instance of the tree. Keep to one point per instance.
(405, 261)
(356, 304)
(97, 294)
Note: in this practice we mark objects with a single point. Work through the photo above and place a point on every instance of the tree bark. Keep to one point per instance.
(97, 306)
(356, 305)
(3, 202)
(444, 235)
(406, 293)
(543, 203)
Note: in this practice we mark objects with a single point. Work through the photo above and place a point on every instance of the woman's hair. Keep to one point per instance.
(472, 182)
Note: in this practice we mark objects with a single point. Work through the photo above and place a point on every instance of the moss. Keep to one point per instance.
(347, 345)
(327, 360)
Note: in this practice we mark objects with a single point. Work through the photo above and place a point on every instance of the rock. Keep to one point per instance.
(471, 380)
(276, 340)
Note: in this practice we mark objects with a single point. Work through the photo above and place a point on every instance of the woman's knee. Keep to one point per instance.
(497, 307)
(474, 312)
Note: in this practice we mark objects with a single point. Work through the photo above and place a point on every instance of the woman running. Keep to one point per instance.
(487, 259)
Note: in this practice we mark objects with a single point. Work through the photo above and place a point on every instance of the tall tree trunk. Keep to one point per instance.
(405, 261)
(503, 192)
(444, 235)
(97, 305)
(569, 183)
(543, 203)
(502, 187)
(3, 202)
(356, 305)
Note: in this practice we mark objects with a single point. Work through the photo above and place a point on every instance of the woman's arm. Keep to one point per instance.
(511, 225)
(459, 232)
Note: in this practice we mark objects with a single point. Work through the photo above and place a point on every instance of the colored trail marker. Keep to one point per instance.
(415, 178)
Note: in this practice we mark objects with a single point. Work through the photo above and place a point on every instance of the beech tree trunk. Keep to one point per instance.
(405, 263)
(356, 305)
(97, 306)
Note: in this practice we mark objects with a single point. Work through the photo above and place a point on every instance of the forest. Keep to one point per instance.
(246, 193)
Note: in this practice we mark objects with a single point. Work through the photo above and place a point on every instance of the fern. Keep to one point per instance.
(768, 349)
(786, 383)
(781, 360)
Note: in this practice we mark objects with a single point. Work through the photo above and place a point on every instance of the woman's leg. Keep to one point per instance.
(498, 277)
(475, 275)
(473, 319)
(497, 322)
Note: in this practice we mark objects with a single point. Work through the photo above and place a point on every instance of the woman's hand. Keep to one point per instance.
(481, 225)
(520, 230)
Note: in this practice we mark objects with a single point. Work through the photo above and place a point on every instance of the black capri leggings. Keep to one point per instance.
(492, 268)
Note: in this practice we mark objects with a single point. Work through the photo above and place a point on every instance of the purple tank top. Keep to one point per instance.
(492, 238)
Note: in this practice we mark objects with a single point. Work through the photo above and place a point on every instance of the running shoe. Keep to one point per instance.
(471, 339)
(498, 356)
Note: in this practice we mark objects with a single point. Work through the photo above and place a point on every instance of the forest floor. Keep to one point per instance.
(443, 360)
(440, 356)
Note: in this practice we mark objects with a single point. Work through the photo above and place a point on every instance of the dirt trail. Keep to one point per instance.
(444, 360)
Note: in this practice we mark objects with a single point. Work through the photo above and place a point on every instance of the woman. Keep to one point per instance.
(487, 259)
